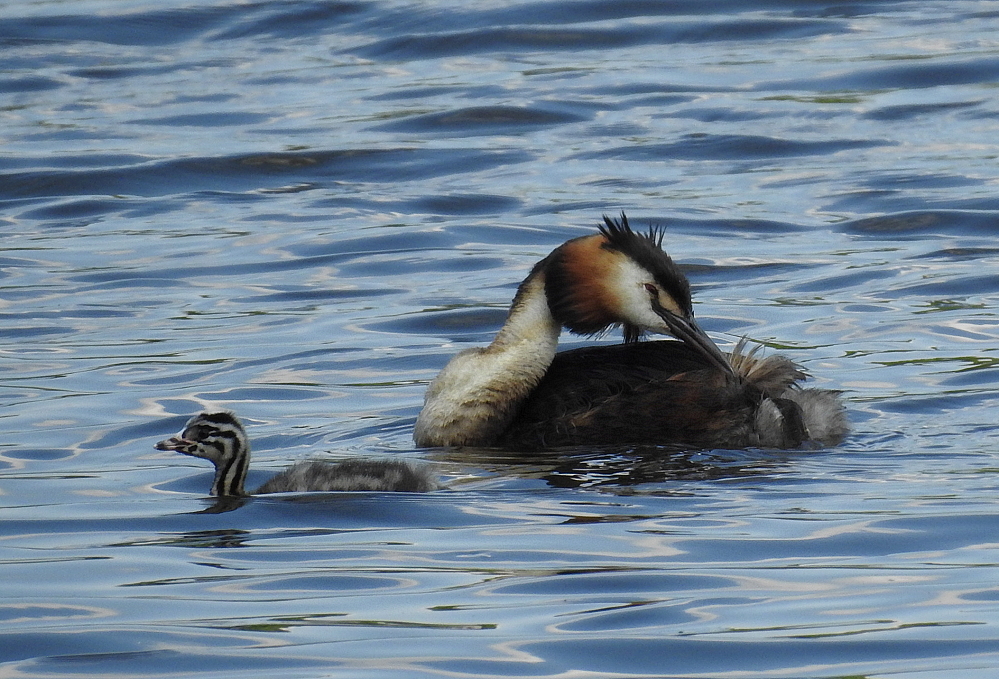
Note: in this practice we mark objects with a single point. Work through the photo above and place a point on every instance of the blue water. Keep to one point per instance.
(301, 210)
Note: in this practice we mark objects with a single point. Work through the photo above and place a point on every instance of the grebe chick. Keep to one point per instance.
(519, 393)
(219, 437)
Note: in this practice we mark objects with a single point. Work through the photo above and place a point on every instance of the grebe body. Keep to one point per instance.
(519, 393)
(220, 438)
(664, 392)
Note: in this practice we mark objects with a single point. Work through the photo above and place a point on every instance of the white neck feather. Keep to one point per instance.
(477, 394)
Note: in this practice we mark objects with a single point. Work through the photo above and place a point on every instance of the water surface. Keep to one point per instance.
(301, 210)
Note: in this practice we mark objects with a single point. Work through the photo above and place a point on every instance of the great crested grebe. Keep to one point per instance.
(519, 393)
(220, 438)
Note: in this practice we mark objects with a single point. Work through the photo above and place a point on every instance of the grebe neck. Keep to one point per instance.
(478, 393)
(230, 475)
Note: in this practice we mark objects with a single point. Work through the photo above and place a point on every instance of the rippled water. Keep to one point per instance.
(300, 210)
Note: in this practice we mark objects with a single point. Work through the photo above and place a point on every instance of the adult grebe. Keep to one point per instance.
(518, 393)
(220, 438)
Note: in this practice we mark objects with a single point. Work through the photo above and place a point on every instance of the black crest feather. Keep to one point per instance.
(645, 249)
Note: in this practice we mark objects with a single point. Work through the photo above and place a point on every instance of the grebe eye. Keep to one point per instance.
(652, 289)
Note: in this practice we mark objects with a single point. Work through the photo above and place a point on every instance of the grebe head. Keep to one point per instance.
(622, 277)
(220, 438)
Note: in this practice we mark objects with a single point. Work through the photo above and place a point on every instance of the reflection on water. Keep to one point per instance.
(619, 469)
(301, 210)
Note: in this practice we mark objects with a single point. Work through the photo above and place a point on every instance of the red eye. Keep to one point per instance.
(651, 289)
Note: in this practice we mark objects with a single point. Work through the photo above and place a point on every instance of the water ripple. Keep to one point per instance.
(301, 210)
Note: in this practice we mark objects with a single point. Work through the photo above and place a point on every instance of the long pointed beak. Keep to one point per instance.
(689, 332)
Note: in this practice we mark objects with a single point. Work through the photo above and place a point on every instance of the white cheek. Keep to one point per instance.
(632, 296)
(669, 304)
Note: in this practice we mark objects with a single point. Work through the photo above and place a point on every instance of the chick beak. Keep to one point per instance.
(176, 443)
